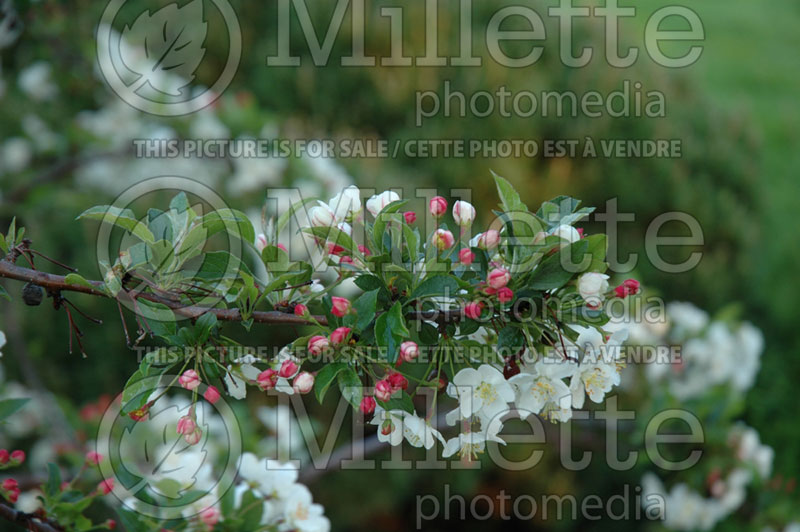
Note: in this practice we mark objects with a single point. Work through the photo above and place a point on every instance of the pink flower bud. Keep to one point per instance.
(193, 438)
(4, 457)
(397, 381)
(303, 383)
(335, 249)
(489, 240)
(498, 278)
(189, 380)
(466, 256)
(387, 427)
(409, 351)
(282, 248)
(300, 310)
(261, 242)
(383, 390)
(13, 495)
(317, 345)
(110, 524)
(629, 287)
(505, 294)
(364, 250)
(211, 395)
(472, 310)
(106, 486)
(267, 379)
(10, 484)
(288, 369)
(93, 458)
(210, 517)
(443, 239)
(463, 213)
(347, 259)
(186, 425)
(17, 457)
(367, 406)
(341, 306)
(437, 206)
(410, 217)
(580, 232)
(339, 336)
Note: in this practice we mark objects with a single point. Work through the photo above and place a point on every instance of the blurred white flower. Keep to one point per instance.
(36, 82)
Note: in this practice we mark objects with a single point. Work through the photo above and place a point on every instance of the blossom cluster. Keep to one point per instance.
(685, 508)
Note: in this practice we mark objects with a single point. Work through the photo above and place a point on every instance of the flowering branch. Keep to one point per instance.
(29, 521)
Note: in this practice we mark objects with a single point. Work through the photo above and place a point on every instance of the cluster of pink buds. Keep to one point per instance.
(629, 287)
(385, 388)
(11, 459)
(187, 427)
(10, 489)
(303, 380)
(497, 280)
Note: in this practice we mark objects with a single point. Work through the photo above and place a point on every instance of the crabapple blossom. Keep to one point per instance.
(397, 381)
(443, 239)
(505, 294)
(303, 383)
(17, 457)
(472, 310)
(466, 256)
(541, 389)
(498, 278)
(267, 379)
(592, 288)
(379, 202)
(346, 204)
(186, 425)
(321, 216)
(210, 516)
(189, 380)
(437, 206)
(367, 405)
(409, 351)
(463, 213)
(384, 390)
(211, 394)
(106, 486)
(193, 438)
(93, 458)
(340, 306)
(567, 233)
(288, 369)
(629, 287)
(483, 391)
(488, 240)
(317, 345)
(339, 335)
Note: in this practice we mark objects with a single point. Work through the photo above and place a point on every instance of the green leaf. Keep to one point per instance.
(53, 485)
(325, 378)
(74, 278)
(335, 236)
(350, 386)
(159, 317)
(368, 282)
(10, 406)
(399, 403)
(365, 307)
(551, 274)
(4, 294)
(275, 259)
(253, 508)
(437, 285)
(509, 198)
(510, 340)
(123, 218)
(397, 322)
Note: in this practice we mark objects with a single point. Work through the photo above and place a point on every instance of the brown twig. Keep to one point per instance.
(29, 521)
(57, 283)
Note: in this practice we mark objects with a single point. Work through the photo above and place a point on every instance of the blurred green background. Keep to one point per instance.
(735, 110)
